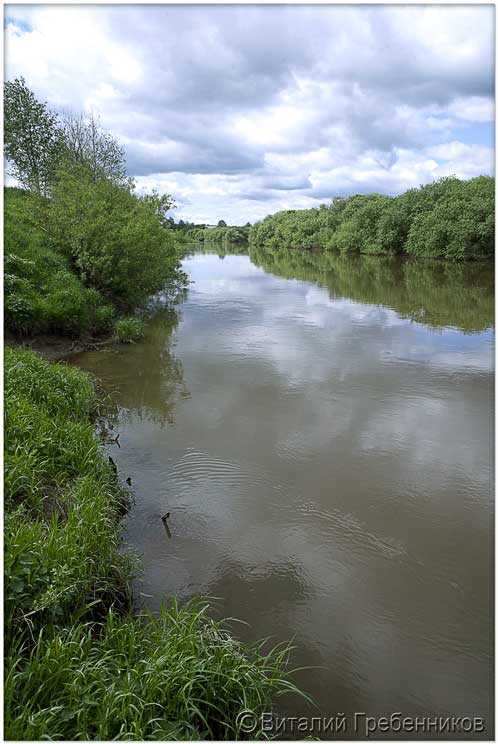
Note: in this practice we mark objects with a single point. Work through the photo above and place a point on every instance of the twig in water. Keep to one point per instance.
(164, 520)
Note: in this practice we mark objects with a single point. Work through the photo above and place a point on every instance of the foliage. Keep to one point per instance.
(298, 228)
(461, 224)
(450, 219)
(87, 145)
(41, 293)
(129, 330)
(222, 234)
(81, 245)
(38, 141)
(177, 677)
(77, 665)
(113, 238)
(32, 137)
(357, 229)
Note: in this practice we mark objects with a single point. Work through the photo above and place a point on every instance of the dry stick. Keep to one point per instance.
(164, 520)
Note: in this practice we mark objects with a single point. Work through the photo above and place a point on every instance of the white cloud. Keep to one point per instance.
(243, 110)
(474, 108)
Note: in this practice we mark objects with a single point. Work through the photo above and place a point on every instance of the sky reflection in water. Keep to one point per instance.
(327, 465)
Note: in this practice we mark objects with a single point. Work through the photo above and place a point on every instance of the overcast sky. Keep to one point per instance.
(239, 111)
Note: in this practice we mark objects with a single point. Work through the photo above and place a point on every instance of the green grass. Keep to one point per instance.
(179, 676)
(129, 330)
(78, 664)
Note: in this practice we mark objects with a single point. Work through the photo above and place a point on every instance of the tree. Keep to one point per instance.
(450, 218)
(222, 223)
(33, 138)
(160, 205)
(357, 230)
(116, 241)
(461, 224)
(87, 144)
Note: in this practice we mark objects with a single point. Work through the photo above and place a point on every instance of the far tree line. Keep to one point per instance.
(450, 218)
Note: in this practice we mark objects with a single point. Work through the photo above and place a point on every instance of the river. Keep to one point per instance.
(320, 430)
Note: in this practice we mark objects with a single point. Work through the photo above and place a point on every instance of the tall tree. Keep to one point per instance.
(88, 145)
(32, 137)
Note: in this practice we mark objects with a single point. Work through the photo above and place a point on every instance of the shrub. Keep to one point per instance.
(450, 218)
(104, 317)
(117, 242)
(79, 228)
(222, 234)
(357, 230)
(42, 294)
(459, 226)
(129, 330)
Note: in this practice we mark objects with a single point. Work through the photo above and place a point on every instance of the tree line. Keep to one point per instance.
(450, 218)
(81, 245)
(221, 234)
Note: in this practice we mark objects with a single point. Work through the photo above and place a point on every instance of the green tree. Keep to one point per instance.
(450, 218)
(116, 240)
(358, 228)
(87, 144)
(461, 224)
(33, 138)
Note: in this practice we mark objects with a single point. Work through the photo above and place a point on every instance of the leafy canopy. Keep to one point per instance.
(450, 219)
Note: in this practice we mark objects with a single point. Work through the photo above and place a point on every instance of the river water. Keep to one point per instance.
(320, 431)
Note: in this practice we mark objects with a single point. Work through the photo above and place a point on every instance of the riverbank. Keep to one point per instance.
(49, 293)
(53, 347)
(56, 347)
(79, 665)
(223, 235)
(450, 219)
(84, 254)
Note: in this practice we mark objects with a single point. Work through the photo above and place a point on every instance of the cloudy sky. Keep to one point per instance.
(239, 111)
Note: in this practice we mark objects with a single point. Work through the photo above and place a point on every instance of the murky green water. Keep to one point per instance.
(320, 430)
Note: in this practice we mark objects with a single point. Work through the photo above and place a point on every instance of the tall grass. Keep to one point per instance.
(129, 330)
(78, 664)
(179, 676)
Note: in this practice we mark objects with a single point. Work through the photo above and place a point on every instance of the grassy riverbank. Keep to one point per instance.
(84, 250)
(79, 665)
(84, 254)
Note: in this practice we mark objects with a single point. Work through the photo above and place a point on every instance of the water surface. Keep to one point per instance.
(320, 430)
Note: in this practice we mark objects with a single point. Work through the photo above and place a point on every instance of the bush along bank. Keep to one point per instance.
(51, 289)
(82, 247)
(450, 219)
(222, 235)
(78, 663)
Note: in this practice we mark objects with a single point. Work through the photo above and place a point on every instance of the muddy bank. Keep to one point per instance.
(54, 347)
